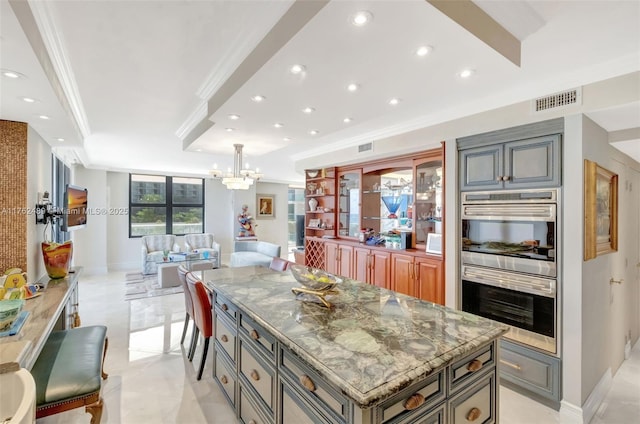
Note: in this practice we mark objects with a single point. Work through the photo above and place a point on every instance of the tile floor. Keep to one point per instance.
(150, 381)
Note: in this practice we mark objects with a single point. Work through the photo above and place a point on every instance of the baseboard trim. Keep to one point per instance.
(592, 403)
(96, 270)
(125, 266)
(571, 413)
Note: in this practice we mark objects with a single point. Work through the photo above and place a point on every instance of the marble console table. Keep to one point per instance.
(376, 357)
(55, 309)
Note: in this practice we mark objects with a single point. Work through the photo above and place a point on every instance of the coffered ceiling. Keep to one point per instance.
(151, 86)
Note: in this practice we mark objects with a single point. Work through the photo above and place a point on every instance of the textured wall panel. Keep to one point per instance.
(13, 195)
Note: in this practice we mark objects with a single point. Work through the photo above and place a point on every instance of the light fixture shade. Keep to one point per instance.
(239, 179)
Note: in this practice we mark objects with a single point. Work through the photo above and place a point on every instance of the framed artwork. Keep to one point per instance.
(314, 223)
(600, 210)
(266, 204)
(434, 243)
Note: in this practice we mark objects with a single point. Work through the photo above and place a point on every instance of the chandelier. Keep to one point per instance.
(239, 179)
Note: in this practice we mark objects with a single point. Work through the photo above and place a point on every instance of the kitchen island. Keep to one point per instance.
(375, 356)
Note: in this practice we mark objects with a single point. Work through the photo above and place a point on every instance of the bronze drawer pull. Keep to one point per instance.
(474, 365)
(224, 338)
(307, 382)
(224, 380)
(413, 401)
(255, 375)
(224, 307)
(473, 414)
(255, 335)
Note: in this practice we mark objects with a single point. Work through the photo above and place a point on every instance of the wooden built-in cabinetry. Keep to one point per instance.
(387, 197)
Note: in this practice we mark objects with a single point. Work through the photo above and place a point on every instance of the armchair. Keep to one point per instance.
(203, 243)
(153, 248)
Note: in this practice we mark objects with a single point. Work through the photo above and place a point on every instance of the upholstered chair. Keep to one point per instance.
(256, 253)
(203, 317)
(203, 243)
(188, 305)
(279, 264)
(152, 249)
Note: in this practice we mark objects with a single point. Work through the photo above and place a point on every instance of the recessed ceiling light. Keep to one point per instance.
(394, 101)
(60, 139)
(45, 117)
(258, 98)
(229, 129)
(287, 139)
(234, 116)
(297, 69)
(466, 73)
(347, 120)
(423, 50)
(314, 132)
(278, 125)
(28, 99)
(11, 74)
(361, 18)
(308, 110)
(353, 87)
(198, 150)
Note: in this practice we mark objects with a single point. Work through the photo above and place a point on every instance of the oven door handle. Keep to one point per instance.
(495, 278)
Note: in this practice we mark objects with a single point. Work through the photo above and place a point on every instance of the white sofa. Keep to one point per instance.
(201, 243)
(254, 253)
(153, 248)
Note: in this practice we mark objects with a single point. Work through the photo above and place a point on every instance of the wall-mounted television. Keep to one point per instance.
(74, 215)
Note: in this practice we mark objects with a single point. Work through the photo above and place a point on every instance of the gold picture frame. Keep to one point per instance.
(600, 210)
(266, 204)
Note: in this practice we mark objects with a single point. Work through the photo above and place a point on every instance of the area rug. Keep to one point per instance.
(139, 286)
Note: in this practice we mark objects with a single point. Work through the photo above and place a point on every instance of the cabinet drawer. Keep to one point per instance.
(226, 377)
(531, 370)
(294, 408)
(226, 337)
(432, 416)
(226, 308)
(257, 373)
(464, 371)
(412, 402)
(314, 388)
(263, 341)
(476, 404)
(249, 412)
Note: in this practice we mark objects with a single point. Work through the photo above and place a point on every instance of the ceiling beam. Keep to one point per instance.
(475, 20)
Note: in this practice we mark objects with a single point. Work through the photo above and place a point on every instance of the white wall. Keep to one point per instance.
(38, 181)
(90, 243)
(274, 230)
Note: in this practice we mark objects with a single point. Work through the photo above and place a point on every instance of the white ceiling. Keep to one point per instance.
(149, 85)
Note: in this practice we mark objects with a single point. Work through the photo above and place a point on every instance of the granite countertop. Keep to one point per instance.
(371, 344)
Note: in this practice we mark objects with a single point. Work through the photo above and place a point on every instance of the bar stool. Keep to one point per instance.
(279, 264)
(203, 318)
(188, 305)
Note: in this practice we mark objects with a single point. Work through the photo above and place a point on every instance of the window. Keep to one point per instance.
(165, 205)
(295, 217)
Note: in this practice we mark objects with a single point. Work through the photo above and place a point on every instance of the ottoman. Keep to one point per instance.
(168, 274)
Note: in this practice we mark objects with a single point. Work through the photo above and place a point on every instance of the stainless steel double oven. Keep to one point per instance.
(509, 262)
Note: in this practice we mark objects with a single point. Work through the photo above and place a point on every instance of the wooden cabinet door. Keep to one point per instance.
(429, 281)
(345, 261)
(331, 257)
(402, 274)
(533, 162)
(361, 262)
(481, 168)
(380, 269)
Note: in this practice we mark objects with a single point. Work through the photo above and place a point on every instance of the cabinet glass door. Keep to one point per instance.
(349, 203)
(427, 208)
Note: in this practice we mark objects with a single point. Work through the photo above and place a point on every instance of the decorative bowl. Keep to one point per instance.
(312, 173)
(313, 278)
(9, 310)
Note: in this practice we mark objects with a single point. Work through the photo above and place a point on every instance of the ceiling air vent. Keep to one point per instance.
(367, 147)
(566, 98)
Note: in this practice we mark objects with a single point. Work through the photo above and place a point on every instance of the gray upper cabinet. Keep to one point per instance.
(522, 162)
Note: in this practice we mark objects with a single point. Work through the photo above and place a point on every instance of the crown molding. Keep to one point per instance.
(194, 118)
(54, 45)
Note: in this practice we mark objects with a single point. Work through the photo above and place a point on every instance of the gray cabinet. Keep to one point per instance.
(531, 370)
(527, 163)
(527, 156)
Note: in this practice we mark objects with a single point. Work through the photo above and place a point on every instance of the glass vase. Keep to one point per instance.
(57, 257)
